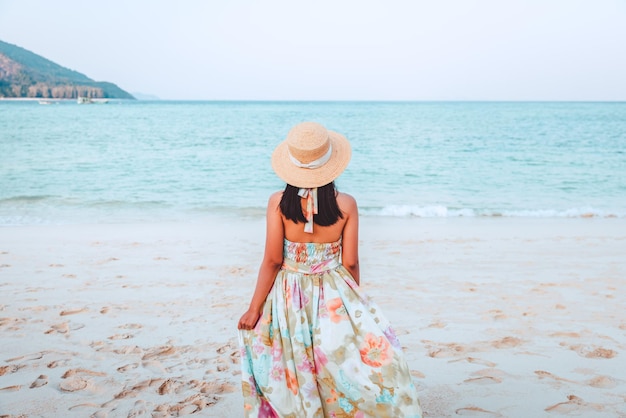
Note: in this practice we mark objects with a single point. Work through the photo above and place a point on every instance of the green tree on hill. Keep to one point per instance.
(26, 74)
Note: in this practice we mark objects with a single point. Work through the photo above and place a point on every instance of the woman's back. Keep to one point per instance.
(346, 228)
(294, 232)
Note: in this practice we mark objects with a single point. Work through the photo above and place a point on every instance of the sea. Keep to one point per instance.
(147, 161)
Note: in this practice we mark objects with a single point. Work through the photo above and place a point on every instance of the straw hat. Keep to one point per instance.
(311, 156)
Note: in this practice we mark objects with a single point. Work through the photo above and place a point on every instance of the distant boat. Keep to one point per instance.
(89, 100)
(45, 102)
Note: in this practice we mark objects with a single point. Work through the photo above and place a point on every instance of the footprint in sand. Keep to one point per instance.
(192, 404)
(10, 369)
(2, 266)
(158, 352)
(475, 360)
(140, 408)
(84, 405)
(543, 374)
(56, 265)
(131, 326)
(63, 328)
(73, 384)
(129, 349)
(40, 308)
(475, 411)
(484, 380)
(575, 405)
(235, 271)
(214, 387)
(487, 376)
(42, 380)
(127, 367)
(507, 342)
(481, 361)
(224, 348)
(169, 386)
(139, 387)
(56, 363)
(234, 357)
(13, 388)
(27, 357)
(603, 382)
(73, 311)
(437, 324)
(222, 364)
(154, 366)
(446, 350)
(73, 380)
(197, 362)
(120, 337)
(591, 351)
(496, 314)
(565, 334)
(221, 305)
(74, 372)
(11, 323)
(108, 260)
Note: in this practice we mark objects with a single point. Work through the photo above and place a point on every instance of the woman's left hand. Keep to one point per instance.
(249, 319)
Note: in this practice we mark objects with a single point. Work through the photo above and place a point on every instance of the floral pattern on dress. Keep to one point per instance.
(322, 348)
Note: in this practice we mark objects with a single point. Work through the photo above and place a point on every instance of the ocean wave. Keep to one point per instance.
(437, 211)
(28, 211)
(26, 198)
(63, 201)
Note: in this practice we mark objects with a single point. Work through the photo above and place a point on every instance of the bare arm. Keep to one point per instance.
(272, 261)
(350, 251)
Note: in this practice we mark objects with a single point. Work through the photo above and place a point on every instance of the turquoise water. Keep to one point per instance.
(141, 161)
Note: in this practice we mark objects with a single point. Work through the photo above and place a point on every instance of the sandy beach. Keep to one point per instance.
(499, 317)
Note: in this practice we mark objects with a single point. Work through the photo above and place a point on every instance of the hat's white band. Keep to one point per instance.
(315, 163)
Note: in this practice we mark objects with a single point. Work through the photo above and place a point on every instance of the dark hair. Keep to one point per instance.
(327, 207)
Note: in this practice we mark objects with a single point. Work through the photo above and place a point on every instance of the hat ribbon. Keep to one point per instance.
(311, 207)
(315, 163)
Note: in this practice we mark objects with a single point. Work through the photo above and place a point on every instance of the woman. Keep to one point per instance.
(313, 345)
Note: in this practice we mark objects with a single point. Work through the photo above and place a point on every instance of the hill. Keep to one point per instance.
(26, 74)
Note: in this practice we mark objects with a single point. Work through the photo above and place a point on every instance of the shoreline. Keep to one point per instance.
(35, 99)
(505, 317)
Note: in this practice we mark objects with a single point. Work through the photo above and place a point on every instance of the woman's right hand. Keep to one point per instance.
(249, 319)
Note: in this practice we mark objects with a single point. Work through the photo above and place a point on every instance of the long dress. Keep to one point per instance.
(321, 347)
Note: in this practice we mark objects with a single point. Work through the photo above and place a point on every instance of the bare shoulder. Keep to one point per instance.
(274, 200)
(346, 202)
(275, 197)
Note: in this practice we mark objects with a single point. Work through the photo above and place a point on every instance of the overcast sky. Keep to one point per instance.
(334, 49)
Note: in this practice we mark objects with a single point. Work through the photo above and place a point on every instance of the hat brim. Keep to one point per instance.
(316, 177)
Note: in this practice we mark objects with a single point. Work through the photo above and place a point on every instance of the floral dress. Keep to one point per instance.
(322, 348)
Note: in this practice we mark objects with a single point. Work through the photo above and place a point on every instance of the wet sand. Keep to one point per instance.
(506, 317)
